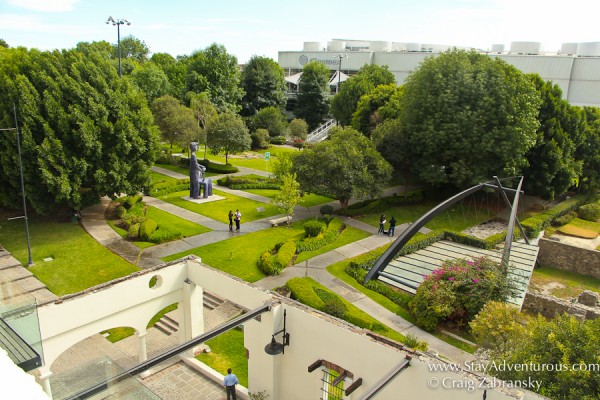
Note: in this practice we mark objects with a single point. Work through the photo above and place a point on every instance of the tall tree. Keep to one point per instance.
(288, 197)
(85, 133)
(298, 129)
(102, 48)
(151, 80)
(343, 104)
(228, 133)
(552, 165)
(4, 44)
(176, 122)
(392, 142)
(468, 117)
(204, 111)
(132, 48)
(174, 69)
(263, 80)
(313, 94)
(272, 119)
(373, 108)
(215, 72)
(346, 166)
(588, 150)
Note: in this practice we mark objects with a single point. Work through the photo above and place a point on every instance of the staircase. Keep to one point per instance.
(169, 326)
(321, 133)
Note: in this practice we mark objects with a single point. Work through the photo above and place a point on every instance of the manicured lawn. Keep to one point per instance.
(308, 200)
(160, 178)
(573, 283)
(218, 210)
(255, 160)
(183, 171)
(168, 220)
(457, 218)
(348, 235)
(238, 255)
(227, 351)
(78, 261)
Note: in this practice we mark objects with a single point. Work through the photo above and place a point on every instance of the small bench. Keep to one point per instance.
(260, 210)
(277, 221)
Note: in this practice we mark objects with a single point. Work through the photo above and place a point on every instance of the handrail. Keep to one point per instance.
(321, 132)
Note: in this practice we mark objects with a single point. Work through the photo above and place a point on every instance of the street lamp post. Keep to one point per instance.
(340, 71)
(118, 23)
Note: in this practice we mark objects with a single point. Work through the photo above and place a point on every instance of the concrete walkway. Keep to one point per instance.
(95, 223)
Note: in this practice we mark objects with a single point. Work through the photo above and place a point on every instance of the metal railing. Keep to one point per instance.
(321, 132)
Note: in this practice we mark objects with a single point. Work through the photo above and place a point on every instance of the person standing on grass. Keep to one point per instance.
(230, 381)
(392, 226)
(238, 218)
(230, 220)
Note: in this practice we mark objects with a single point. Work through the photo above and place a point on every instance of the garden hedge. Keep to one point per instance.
(184, 162)
(147, 228)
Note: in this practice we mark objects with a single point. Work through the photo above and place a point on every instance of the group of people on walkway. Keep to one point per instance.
(235, 217)
(392, 228)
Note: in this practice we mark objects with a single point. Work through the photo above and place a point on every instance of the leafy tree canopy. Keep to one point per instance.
(272, 119)
(228, 133)
(392, 142)
(133, 48)
(588, 150)
(4, 44)
(174, 69)
(468, 117)
(346, 166)
(264, 84)
(344, 104)
(313, 94)
(379, 104)
(215, 72)
(298, 129)
(151, 80)
(177, 123)
(85, 133)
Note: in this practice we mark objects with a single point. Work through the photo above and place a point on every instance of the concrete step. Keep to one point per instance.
(212, 301)
(165, 326)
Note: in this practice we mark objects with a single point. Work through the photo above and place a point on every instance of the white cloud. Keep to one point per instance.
(45, 5)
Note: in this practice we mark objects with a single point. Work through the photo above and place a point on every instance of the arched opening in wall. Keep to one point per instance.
(92, 360)
(165, 321)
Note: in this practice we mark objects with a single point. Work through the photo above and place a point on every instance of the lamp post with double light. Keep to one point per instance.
(118, 23)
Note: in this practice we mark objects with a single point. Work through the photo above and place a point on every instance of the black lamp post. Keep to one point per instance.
(274, 347)
(118, 23)
(340, 71)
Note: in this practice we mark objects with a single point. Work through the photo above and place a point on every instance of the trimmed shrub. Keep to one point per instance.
(130, 219)
(589, 212)
(133, 232)
(372, 206)
(323, 239)
(536, 224)
(265, 263)
(284, 256)
(302, 291)
(299, 144)
(248, 182)
(260, 139)
(564, 219)
(130, 201)
(165, 234)
(335, 307)
(277, 140)
(120, 211)
(313, 228)
(147, 228)
(326, 209)
(210, 166)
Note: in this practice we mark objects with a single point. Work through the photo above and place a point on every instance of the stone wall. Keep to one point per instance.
(550, 306)
(569, 258)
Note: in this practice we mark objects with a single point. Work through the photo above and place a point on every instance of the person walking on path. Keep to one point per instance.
(392, 226)
(237, 217)
(230, 381)
(230, 220)
(381, 224)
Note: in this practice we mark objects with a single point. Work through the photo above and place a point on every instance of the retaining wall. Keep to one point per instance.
(569, 258)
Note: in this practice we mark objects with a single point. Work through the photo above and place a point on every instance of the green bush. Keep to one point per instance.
(299, 144)
(326, 209)
(313, 228)
(372, 206)
(277, 140)
(248, 182)
(210, 166)
(335, 307)
(130, 201)
(147, 228)
(564, 219)
(165, 234)
(265, 263)
(260, 139)
(120, 211)
(133, 232)
(536, 224)
(130, 219)
(302, 291)
(321, 240)
(284, 256)
(590, 212)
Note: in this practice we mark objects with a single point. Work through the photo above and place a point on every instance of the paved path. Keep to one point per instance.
(315, 267)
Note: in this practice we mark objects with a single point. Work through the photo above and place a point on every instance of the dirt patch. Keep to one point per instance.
(547, 288)
(486, 229)
(247, 155)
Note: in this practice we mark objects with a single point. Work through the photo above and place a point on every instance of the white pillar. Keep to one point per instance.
(192, 312)
(142, 351)
(44, 379)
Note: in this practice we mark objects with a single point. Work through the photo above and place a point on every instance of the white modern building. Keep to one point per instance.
(575, 68)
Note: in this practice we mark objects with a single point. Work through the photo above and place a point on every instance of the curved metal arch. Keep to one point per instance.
(405, 236)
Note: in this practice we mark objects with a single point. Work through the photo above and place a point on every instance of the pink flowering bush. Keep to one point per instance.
(458, 290)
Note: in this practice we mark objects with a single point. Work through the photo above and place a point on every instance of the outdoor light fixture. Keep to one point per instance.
(118, 23)
(340, 56)
(274, 347)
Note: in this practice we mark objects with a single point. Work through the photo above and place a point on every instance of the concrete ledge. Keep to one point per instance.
(213, 375)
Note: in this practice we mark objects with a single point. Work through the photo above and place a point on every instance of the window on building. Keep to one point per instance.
(328, 390)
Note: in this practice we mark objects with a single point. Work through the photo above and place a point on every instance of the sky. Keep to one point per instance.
(264, 27)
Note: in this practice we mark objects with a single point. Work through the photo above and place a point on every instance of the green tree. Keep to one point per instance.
(588, 150)
(272, 119)
(298, 129)
(228, 133)
(132, 48)
(204, 111)
(288, 197)
(344, 104)
(102, 48)
(346, 166)
(313, 94)
(263, 80)
(215, 72)
(174, 69)
(373, 108)
(552, 165)
(4, 44)
(151, 80)
(176, 122)
(85, 133)
(392, 142)
(260, 139)
(468, 117)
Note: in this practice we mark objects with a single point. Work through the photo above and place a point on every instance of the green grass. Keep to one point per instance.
(256, 162)
(348, 235)
(457, 218)
(155, 178)
(308, 200)
(79, 262)
(218, 210)
(183, 171)
(122, 332)
(469, 348)
(589, 225)
(228, 351)
(573, 283)
(238, 255)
